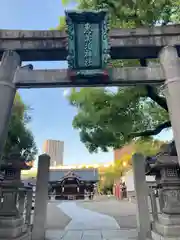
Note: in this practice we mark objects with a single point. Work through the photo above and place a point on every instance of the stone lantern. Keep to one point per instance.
(88, 45)
(167, 172)
(11, 169)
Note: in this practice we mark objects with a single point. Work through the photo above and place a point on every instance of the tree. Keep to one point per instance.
(133, 13)
(19, 135)
(109, 175)
(109, 119)
(125, 160)
(148, 147)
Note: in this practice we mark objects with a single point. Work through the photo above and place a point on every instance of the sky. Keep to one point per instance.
(51, 113)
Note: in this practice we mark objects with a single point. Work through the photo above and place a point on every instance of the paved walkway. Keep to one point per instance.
(91, 235)
(84, 219)
(123, 212)
(88, 225)
(56, 219)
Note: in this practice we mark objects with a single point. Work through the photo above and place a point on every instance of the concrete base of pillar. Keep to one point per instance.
(157, 236)
(13, 229)
(166, 219)
(166, 228)
(25, 236)
(10, 222)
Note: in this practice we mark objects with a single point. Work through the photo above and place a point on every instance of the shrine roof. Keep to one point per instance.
(55, 175)
(83, 174)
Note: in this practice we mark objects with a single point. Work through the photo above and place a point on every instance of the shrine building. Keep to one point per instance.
(70, 184)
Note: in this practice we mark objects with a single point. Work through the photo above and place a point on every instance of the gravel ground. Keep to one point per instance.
(123, 211)
(56, 219)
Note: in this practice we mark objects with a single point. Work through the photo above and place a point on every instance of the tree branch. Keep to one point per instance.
(153, 132)
(151, 91)
(161, 101)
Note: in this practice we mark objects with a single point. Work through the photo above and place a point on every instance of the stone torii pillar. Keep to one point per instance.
(171, 65)
(9, 64)
(141, 190)
(40, 211)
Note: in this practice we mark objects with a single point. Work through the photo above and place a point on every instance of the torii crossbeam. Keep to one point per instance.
(136, 43)
(25, 78)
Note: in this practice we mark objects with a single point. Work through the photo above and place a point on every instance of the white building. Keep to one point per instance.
(129, 181)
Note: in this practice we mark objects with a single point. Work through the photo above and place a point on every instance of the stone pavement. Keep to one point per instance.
(56, 219)
(84, 219)
(86, 224)
(124, 212)
(91, 235)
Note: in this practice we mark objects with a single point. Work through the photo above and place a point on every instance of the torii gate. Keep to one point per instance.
(17, 46)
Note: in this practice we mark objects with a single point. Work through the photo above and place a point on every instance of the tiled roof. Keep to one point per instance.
(58, 174)
(83, 174)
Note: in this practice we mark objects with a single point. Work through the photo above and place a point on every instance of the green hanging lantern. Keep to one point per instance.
(88, 44)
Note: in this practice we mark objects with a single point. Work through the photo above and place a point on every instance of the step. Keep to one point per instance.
(24, 236)
(10, 222)
(12, 232)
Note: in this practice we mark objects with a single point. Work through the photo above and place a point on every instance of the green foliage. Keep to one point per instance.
(19, 136)
(62, 24)
(105, 189)
(107, 119)
(29, 174)
(110, 174)
(130, 13)
(148, 147)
